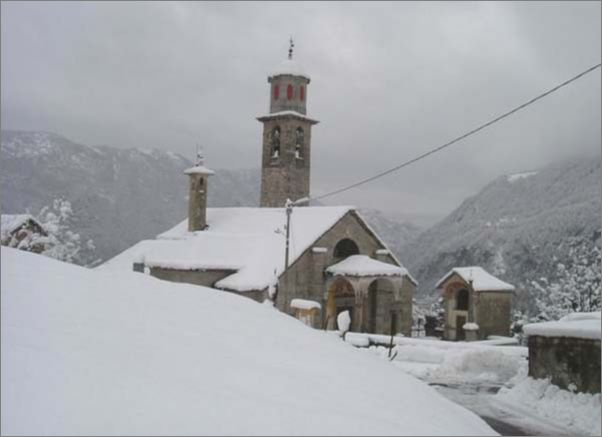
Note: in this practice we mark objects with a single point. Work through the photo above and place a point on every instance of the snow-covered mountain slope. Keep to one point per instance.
(396, 232)
(121, 196)
(93, 352)
(118, 196)
(519, 227)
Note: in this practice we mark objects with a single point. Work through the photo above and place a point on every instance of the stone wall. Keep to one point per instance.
(566, 361)
(285, 177)
(197, 202)
(206, 278)
(493, 313)
(282, 103)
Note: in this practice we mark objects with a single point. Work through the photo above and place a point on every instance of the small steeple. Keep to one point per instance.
(290, 48)
(197, 201)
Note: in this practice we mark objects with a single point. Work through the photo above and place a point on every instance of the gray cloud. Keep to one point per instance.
(389, 81)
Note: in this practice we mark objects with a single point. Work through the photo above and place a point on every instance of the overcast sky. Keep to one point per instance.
(389, 81)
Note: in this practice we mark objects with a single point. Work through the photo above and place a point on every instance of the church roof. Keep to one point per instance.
(248, 241)
(363, 265)
(481, 279)
(290, 67)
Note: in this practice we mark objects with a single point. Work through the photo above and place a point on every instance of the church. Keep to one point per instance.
(328, 257)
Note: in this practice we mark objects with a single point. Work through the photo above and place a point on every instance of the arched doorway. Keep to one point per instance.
(346, 247)
(378, 310)
(341, 297)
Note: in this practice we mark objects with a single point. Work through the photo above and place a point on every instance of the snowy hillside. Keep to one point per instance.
(522, 228)
(396, 232)
(122, 196)
(92, 352)
(118, 196)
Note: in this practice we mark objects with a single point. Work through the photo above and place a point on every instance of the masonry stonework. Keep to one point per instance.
(287, 175)
(305, 278)
(567, 361)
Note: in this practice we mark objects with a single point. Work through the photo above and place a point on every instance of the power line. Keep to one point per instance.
(457, 139)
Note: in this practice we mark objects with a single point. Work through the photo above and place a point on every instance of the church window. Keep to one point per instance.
(275, 142)
(299, 142)
(302, 93)
(276, 92)
(462, 300)
(289, 92)
(345, 248)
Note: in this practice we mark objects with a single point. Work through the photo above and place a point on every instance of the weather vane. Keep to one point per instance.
(290, 48)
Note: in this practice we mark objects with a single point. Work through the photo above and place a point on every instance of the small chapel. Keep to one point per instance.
(329, 259)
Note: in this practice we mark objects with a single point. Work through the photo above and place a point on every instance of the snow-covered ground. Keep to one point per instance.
(107, 352)
(492, 381)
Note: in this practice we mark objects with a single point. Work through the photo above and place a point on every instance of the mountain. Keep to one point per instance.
(118, 196)
(396, 232)
(521, 227)
(121, 196)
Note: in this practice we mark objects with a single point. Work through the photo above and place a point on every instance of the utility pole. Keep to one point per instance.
(289, 211)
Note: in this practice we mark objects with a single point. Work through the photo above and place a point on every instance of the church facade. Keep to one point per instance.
(334, 260)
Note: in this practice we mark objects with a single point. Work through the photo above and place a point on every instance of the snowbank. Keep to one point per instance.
(461, 361)
(579, 412)
(108, 352)
(481, 365)
(578, 325)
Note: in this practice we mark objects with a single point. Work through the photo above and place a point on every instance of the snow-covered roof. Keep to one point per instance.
(199, 169)
(303, 304)
(285, 113)
(289, 67)
(363, 265)
(243, 240)
(481, 279)
(577, 325)
(10, 222)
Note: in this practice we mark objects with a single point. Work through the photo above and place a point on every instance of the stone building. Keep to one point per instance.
(23, 232)
(334, 258)
(567, 351)
(476, 304)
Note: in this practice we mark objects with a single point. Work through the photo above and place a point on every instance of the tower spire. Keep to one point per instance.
(290, 48)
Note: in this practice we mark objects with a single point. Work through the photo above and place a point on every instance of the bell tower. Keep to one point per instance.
(285, 164)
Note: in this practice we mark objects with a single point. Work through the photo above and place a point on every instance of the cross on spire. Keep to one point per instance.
(200, 159)
(290, 48)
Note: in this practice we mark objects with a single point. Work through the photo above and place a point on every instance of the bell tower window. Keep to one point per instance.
(299, 142)
(302, 93)
(289, 92)
(276, 92)
(275, 142)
